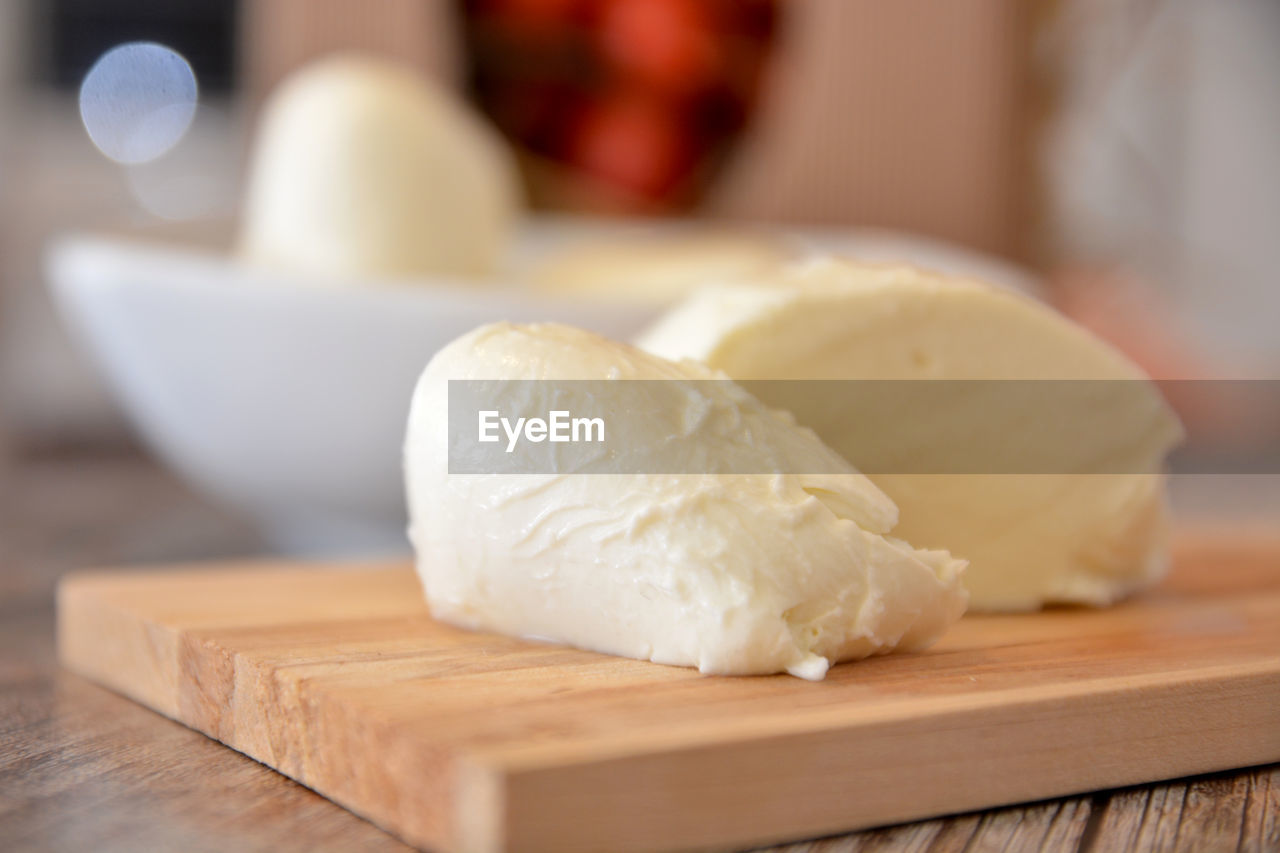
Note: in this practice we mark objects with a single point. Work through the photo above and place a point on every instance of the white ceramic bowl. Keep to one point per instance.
(288, 398)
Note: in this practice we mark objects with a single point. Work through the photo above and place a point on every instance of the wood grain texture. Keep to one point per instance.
(83, 768)
(467, 741)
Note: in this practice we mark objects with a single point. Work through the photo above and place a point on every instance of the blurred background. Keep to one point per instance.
(1127, 152)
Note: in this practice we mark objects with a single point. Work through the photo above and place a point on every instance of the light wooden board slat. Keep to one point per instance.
(336, 676)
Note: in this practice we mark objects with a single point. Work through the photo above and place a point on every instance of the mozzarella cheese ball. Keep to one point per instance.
(362, 168)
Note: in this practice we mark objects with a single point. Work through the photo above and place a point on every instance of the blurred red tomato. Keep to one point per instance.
(633, 142)
(669, 44)
(643, 95)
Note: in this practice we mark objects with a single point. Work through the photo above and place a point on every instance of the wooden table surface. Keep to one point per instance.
(82, 768)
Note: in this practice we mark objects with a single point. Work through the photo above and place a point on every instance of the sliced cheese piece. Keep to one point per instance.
(1089, 526)
(363, 168)
(731, 573)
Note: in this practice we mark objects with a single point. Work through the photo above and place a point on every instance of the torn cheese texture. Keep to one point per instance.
(734, 574)
(1069, 534)
(361, 167)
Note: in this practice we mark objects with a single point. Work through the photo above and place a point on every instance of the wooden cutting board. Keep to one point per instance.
(336, 676)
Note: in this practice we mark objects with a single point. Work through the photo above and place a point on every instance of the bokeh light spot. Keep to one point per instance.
(137, 101)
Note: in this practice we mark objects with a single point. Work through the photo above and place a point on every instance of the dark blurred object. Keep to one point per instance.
(913, 115)
(77, 32)
(643, 95)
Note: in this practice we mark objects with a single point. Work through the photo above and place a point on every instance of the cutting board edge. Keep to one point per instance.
(484, 822)
(1249, 701)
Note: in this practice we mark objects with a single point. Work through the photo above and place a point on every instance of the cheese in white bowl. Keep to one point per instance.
(363, 168)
